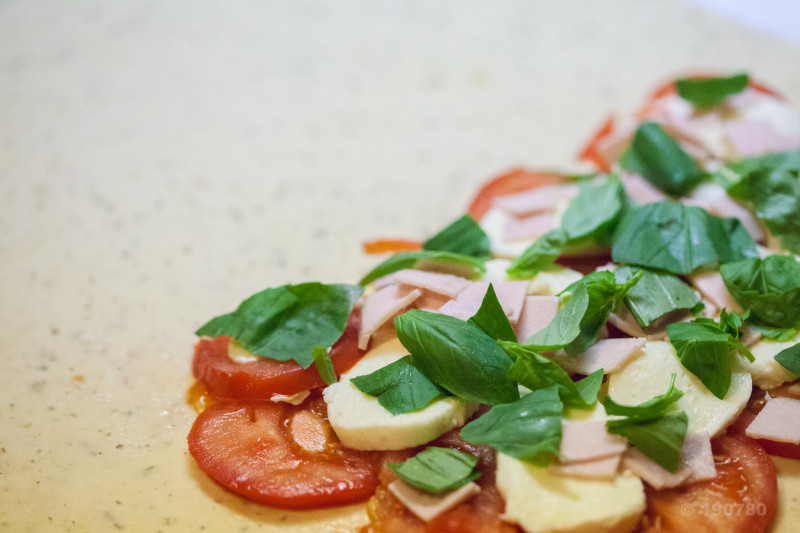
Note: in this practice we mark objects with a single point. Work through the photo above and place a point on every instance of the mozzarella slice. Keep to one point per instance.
(647, 374)
(543, 502)
(766, 371)
(362, 423)
(551, 282)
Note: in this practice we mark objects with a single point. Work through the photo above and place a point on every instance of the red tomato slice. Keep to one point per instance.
(280, 455)
(380, 246)
(517, 180)
(741, 499)
(260, 380)
(591, 152)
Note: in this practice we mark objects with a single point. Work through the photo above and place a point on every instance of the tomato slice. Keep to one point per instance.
(592, 153)
(741, 499)
(379, 246)
(281, 455)
(260, 380)
(517, 180)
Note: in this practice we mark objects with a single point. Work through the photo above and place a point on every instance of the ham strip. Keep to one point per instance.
(426, 505)
(517, 229)
(510, 294)
(537, 313)
(713, 288)
(587, 441)
(599, 468)
(444, 284)
(381, 306)
(779, 420)
(641, 190)
(542, 198)
(756, 137)
(697, 463)
(607, 354)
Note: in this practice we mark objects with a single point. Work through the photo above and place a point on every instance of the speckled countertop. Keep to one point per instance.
(161, 161)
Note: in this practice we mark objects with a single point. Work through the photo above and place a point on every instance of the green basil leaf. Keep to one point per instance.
(492, 319)
(679, 239)
(653, 408)
(400, 387)
(769, 288)
(464, 236)
(287, 322)
(660, 439)
(539, 256)
(322, 360)
(656, 295)
(790, 359)
(775, 197)
(594, 212)
(528, 429)
(534, 371)
(458, 356)
(659, 159)
(709, 92)
(733, 172)
(438, 469)
(427, 260)
(565, 326)
(776, 334)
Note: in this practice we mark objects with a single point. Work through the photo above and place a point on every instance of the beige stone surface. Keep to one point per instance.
(160, 161)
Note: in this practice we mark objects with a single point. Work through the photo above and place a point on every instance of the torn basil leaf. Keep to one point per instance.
(464, 236)
(660, 439)
(594, 212)
(492, 319)
(769, 288)
(652, 408)
(528, 429)
(534, 371)
(288, 322)
(789, 359)
(659, 159)
(458, 356)
(539, 256)
(438, 469)
(565, 326)
(709, 92)
(322, 360)
(656, 295)
(399, 387)
(450, 262)
(679, 239)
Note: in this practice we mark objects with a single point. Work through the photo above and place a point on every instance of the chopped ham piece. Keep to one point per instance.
(779, 420)
(430, 301)
(531, 227)
(588, 440)
(537, 313)
(381, 306)
(607, 354)
(444, 284)
(597, 468)
(697, 464)
(756, 137)
(542, 198)
(713, 288)
(427, 505)
(641, 190)
(510, 294)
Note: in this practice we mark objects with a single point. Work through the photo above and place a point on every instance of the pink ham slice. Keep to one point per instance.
(518, 229)
(588, 440)
(779, 420)
(756, 137)
(444, 284)
(725, 206)
(428, 505)
(537, 313)
(607, 354)
(510, 294)
(430, 301)
(713, 288)
(540, 199)
(597, 468)
(381, 306)
(641, 190)
(697, 463)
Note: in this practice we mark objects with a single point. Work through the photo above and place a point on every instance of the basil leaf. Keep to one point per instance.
(539, 256)
(593, 213)
(659, 159)
(400, 387)
(733, 172)
(769, 288)
(427, 260)
(492, 319)
(528, 429)
(656, 295)
(661, 439)
(679, 239)
(649, 409)
(458, 356)
(464, 236)
(534, 371)
(776, 334)
(709, 92)
(324, 365)
(438, 469)
(565, 326)
(775, 196)
(790, 359)
(288, 322)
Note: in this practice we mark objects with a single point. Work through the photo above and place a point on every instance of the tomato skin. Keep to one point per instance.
(255, 450)
(516, 180)
(260, 380)
(741, 499)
